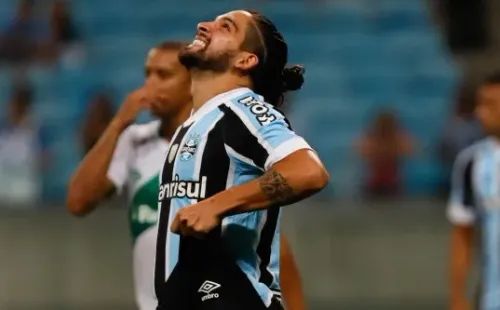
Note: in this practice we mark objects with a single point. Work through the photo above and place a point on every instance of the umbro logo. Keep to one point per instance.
(207, 287)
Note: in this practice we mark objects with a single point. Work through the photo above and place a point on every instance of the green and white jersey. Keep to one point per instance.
(136, 164)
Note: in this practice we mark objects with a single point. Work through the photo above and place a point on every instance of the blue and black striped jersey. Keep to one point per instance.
(232, 139)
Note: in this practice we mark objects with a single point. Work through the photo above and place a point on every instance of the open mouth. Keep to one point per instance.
(199, 43)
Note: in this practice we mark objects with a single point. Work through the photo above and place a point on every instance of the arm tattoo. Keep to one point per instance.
(276, 187)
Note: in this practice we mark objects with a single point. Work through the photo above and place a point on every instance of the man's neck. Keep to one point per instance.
(207, 85)
(170, 125)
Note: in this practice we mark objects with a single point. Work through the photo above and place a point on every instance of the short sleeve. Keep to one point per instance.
(119, 167)
(462, 207)
(256, 133)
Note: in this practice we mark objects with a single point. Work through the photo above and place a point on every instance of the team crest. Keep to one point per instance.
(189, 148)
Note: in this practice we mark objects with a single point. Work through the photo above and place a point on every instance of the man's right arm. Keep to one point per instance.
(461, 213)
(460, 262)
(105, 165)
(89, 184)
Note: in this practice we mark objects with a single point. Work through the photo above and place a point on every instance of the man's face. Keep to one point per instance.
(488, 108)
(217, 45)
(168, 80)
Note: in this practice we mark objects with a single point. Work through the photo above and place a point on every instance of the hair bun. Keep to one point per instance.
(293, 77)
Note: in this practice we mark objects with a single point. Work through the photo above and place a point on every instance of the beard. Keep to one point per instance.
(203, 61)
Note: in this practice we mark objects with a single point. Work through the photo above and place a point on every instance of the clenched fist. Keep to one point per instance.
(196, 220)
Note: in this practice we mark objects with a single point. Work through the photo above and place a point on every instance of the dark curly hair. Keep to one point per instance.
(270, 77)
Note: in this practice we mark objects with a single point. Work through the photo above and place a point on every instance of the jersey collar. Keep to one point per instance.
(214, 103)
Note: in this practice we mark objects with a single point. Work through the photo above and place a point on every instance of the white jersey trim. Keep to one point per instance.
(460, 215)
(285, 149)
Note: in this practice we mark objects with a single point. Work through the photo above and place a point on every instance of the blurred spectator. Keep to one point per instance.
(64, 31)
(383, 147)
(65, 37)
(465, 24)
(98, 117)
(19, 41)
(22, 152)
(29, 38)
(461, 130)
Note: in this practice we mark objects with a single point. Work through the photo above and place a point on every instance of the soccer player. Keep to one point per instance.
(131, 156)
(229, 169)
(475, 205)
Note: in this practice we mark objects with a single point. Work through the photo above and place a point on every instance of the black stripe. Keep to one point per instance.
(214, 166)
(240, 139)
(215, 162)
(161, 241)
(287, 122)
(265, 245)
(468, 198)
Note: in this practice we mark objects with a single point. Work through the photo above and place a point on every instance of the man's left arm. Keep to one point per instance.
(295, 177)
(291, 170)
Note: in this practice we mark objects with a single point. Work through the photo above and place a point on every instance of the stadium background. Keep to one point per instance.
(361, 56)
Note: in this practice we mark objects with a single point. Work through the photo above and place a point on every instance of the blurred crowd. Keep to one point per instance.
(45, 33)
(39, 33)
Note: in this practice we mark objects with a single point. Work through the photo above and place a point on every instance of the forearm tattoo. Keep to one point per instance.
(276, 187)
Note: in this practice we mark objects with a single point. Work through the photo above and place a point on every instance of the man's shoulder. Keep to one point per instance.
(139, 132)
(466, 155)
(252, 109)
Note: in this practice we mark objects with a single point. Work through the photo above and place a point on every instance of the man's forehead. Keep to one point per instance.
(158, 53)
(158, 57)
(152, 52)
(238, 15)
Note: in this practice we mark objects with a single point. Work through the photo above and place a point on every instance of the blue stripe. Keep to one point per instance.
(242, 232)
(275, 132)
(496, 219)
(173, 239)
(185, 170)
(488, 186)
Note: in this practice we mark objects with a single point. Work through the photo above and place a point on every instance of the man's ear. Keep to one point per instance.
(246, 61)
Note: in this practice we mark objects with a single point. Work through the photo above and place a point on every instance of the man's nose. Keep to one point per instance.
(151, 84)
(204, 27)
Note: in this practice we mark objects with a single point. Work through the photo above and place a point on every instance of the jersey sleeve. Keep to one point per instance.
(258, 134)
(119, 167)
(462, 207)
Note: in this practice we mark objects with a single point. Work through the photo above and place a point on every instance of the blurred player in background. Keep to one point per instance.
(475, 206)
(131, 156)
